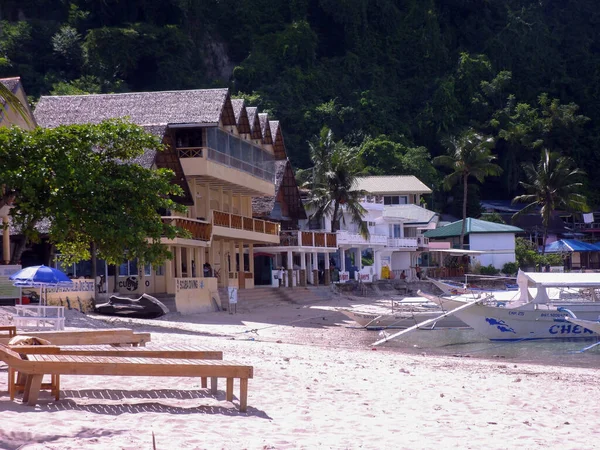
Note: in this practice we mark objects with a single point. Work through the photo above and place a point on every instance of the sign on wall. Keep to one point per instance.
(7, 290)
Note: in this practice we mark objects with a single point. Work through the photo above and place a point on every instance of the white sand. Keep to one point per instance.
(314, 386)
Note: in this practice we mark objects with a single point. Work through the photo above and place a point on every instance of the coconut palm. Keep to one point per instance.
(470, 155)
(551, 184)
(333, 182)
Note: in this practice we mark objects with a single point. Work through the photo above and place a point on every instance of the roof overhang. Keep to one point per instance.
(458, 251)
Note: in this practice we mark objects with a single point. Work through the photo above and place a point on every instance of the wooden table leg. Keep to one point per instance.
(229, 393)
(56, 386)
(26, 389)
(213, 385)
(11, 383)
(243, 394)
(204, 383)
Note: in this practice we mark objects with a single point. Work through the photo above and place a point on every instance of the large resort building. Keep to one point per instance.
(224, 155)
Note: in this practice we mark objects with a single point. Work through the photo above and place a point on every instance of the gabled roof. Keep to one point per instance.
(11, 83)
(473, 226)
(265, 128)
(392, 184)
(254, 122)
(201, 106)
(278, 144)
(241, 115)
(286, 189)
(409, 213)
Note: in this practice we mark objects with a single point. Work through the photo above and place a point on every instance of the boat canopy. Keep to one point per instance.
(553, 279)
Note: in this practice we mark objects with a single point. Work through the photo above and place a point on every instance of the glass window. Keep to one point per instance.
(148, 270)
(223, 142)
(211, 138)
(160, 271)
(124, 269)
(128, 268)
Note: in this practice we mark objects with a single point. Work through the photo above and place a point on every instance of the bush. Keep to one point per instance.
(489, 270)
(510, 268)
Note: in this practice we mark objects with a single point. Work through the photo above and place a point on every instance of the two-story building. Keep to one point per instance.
(223, 155)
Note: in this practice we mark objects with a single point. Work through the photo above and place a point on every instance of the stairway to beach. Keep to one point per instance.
(249, 299)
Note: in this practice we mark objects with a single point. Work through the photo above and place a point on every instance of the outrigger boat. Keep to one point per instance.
(456, 288)
(527, 318)
(402, 319)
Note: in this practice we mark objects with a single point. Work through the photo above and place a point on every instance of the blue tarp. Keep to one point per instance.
(571, 245)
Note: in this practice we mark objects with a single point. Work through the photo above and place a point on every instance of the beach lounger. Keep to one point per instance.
(110, 336)
(172, 352)
(11, 330)
(37, 365)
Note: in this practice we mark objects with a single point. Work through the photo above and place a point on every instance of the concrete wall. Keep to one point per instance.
(500, 248)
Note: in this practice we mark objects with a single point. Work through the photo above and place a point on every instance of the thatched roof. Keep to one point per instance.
(265, 128)
(254, 122)
(11, 83)
(201, 106)
(241, 115)
(286, 189)
(277, 136)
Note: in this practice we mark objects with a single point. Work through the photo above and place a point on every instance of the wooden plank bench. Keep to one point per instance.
(109, 336)
(10, 329)
(171, 352)
(36, 366)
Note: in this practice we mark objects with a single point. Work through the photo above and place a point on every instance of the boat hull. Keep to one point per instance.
(528, 321)
(372, 321)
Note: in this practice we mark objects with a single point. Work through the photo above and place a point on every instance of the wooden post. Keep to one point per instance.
(5, 240)
(190, 259)
(178, 263)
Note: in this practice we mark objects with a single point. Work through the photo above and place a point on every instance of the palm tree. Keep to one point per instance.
(469, 156)
(333, 182)
(551, 184)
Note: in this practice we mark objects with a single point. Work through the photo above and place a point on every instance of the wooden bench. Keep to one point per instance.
(10, 329)
(172, 352)
(109, 336)
(36, 366)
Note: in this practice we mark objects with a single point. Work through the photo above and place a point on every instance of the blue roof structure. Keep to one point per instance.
(570, 246)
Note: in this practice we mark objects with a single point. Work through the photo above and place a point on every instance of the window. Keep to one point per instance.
(188, 138)
(160, 271)
(395, 230)
(128, 268)
(395, 199)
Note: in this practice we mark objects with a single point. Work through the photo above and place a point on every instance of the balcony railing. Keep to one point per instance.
(295, 238)
(347, 238)
(235, 221)
(199, 229)
(402, 242)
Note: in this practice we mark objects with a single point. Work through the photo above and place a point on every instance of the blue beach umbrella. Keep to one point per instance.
(40, 276)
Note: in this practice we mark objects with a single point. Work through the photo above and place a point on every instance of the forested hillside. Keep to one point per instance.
(395, 77)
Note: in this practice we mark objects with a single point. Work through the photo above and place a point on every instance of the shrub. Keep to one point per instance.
(510, 268)
(489, 270)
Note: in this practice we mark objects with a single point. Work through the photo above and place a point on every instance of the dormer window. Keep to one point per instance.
(395, 199)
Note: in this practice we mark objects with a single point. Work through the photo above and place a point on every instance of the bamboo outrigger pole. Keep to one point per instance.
(426, 322)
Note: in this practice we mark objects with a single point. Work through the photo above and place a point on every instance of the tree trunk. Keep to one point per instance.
(116, 275)
(464, 219)
(94, 271)
(335, 222)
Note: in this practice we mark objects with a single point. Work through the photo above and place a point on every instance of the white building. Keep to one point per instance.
(492, 243)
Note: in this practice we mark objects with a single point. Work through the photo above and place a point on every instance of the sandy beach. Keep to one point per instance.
(315, 386)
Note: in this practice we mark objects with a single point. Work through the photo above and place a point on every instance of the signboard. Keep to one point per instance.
(344, 277)
(7, 290)
(233, 295)
(80, 294)
(195, 295)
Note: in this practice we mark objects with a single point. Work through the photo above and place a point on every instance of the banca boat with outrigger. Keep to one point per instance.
(532, 314)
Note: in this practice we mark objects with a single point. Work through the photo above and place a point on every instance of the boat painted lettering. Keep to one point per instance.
(569, 329)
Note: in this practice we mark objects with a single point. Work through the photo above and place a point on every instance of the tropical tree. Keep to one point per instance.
(333, 182)
(7, 98)
(73, 180)
(551, 184)
(469, 155)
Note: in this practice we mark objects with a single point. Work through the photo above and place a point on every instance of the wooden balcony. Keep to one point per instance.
(296, 238)
(249, 228)
(199, 229)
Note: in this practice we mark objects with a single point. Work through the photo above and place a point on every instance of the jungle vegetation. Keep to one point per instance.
(393, 78)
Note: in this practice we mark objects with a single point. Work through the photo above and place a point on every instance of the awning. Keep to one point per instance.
(458, 251)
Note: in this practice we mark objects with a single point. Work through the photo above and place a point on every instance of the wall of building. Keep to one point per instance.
(499, 247)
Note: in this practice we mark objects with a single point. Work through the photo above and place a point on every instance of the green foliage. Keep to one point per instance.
(488, 270)
(553, 183)
(414, 71)
(510, 268)
(528, 256)
(332, 182)
(73, 178)
(492, 217)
